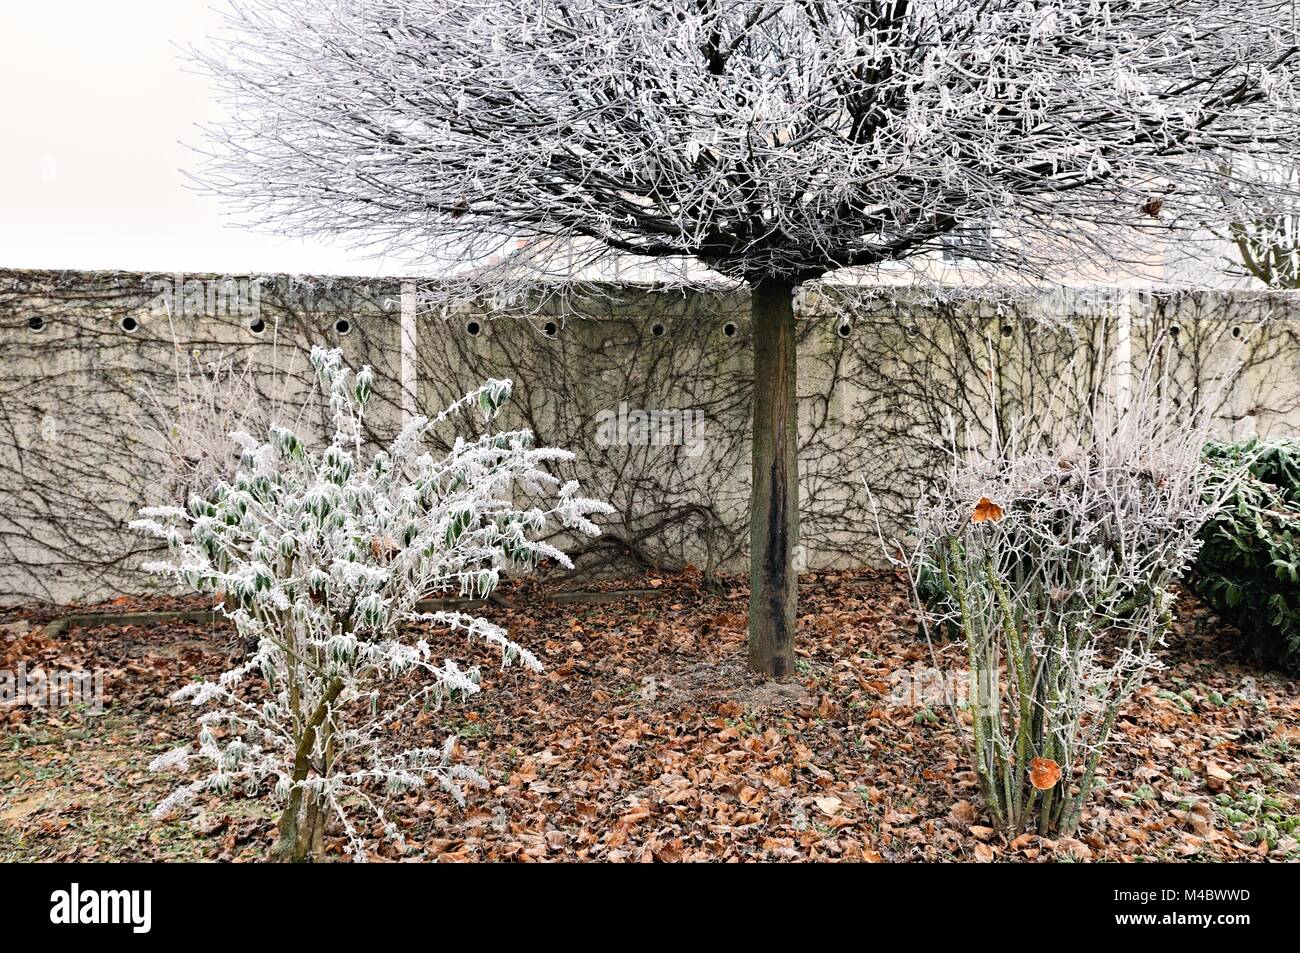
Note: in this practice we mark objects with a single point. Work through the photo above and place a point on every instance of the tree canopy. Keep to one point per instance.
(762, 138)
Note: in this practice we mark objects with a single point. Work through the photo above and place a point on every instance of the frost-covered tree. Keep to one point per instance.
(321, 558)
(773, 142)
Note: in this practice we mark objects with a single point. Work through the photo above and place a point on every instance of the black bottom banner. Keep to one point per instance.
(139, 904)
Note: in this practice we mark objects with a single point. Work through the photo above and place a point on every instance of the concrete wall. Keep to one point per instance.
(649, 388)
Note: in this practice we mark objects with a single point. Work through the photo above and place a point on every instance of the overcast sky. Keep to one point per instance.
(97, 105)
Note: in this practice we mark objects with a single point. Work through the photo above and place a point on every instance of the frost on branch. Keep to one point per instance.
(1053, 565)
(321, 556)
(1267, 234)
(754, 139)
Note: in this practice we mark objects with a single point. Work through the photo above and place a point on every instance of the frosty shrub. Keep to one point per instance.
(321, 558)
(191, 418)
(1054, 565)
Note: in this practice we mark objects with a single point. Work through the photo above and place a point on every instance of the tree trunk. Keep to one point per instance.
(301, 825)
(774, 505)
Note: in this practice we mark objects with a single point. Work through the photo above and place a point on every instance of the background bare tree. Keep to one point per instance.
(773, 142)
(1267, 237)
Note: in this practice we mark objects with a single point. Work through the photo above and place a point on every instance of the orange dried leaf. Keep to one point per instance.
(1044, 773)
(986, 509)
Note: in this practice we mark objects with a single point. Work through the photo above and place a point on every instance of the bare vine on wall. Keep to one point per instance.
(653, 390)
(649, 386)
(100, 368)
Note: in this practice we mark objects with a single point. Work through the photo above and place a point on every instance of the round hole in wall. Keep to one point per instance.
(342, 325)
(657, 329)
(729, 329)
(550, 329)
(1174, 332)
(36, 323)
(1236, 330)
(257, 325)
(472, 328)
(1008, 330)
(845, 329)
(129, 324)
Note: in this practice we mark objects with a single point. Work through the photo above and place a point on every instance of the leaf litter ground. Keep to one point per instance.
(647, 740)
